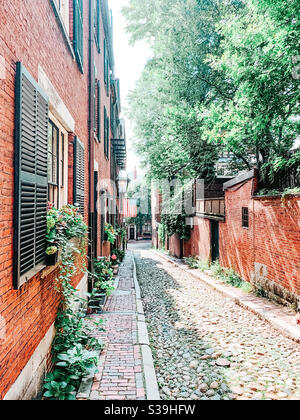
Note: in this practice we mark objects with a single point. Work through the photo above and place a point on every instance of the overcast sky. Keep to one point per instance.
(129, 63)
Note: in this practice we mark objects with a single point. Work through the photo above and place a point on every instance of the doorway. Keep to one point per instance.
(131, 234)
(215, 240)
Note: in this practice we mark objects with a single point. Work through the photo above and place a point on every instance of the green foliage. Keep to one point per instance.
(59, 390)
(78, 362)
(119, 253)
(222, 78)
(162, 231)
(73, 348)
(229, 276)
(104, 276)
(63, 225)
(111, 233)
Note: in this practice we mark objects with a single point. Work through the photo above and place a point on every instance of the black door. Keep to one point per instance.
(132, 234)
(214, 240)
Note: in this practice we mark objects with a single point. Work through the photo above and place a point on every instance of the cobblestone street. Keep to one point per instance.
(207, 347)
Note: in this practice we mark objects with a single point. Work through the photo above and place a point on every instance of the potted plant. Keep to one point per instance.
(114, 261)
(51, 255)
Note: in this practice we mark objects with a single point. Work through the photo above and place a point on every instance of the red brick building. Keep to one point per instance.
(257, 236)
(59, 118)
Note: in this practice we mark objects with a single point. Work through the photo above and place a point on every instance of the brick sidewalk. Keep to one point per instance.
(120, 374)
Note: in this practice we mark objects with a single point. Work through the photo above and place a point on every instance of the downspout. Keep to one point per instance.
(91, 81)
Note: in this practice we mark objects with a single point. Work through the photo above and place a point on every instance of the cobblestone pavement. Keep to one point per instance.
(207, 347)
(120, 374)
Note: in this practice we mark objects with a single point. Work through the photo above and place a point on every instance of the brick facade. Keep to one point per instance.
(31, 34)
(266, 253)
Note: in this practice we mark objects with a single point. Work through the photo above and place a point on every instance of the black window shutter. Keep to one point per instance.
(79, 176)
(98, 24)
(78, 32)
(107, 136)
(31, 178)
(106, 133)
(105, 130)
(99, 111)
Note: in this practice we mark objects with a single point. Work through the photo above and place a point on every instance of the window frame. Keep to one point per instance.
(54, 185)
(61, 183)
(245, 217)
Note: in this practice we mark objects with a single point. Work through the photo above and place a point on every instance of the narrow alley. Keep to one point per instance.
(207, 347)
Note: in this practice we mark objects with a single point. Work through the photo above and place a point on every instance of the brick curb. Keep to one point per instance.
(267, 311)
(152, 391)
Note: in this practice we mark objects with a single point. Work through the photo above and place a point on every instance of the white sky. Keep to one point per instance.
(129, 64)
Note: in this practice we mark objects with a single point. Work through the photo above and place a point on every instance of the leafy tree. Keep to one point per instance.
(222, 77)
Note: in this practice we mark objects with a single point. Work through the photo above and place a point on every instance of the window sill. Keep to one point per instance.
(62, 27)
(48, 270)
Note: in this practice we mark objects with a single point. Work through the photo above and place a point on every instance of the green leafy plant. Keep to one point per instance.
(229, 276)
(104, 276)
(196, 263)
(192, 262)
(51, 250)
(74, 350)
(78, 362)
(59, 391)
(110, 233)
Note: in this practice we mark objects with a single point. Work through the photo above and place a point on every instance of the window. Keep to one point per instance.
(79, 175)
(53, 144)
(78, 32)
(106, 134)
(31, 177)
(97, 23)
(245, 217)
(63, 7)
(57, 164)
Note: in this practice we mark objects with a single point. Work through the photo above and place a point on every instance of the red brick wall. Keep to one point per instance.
(277, 240)
(31, 34)
(104, 164)
(174, 246)
(236, 242)
(267, 253)
(199, 244)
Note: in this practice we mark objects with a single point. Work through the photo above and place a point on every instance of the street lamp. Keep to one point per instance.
(123, 182)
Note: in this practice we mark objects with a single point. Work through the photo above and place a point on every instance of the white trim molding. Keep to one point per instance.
(56, 104)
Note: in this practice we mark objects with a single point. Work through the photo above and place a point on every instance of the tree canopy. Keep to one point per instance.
(222, 78)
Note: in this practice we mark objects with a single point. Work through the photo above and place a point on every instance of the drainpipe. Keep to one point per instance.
(91, 79)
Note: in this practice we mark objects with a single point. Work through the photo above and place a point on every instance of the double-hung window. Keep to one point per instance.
(63, 7)
(57, 164)
(245, 217)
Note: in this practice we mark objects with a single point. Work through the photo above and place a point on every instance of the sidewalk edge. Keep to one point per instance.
(241, 299)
